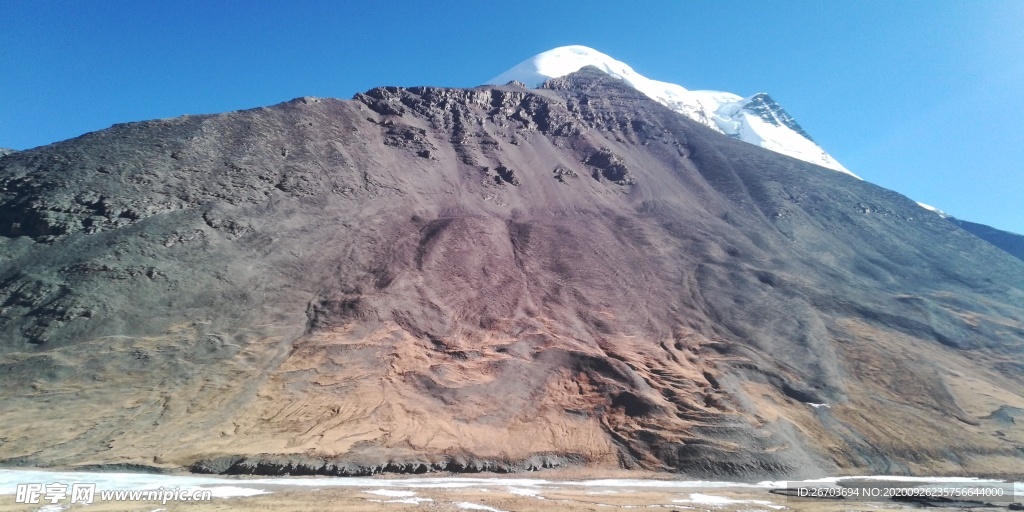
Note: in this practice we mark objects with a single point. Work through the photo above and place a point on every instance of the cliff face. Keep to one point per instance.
(490, 279)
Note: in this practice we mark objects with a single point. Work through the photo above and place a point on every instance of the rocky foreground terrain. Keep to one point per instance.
(494, 279)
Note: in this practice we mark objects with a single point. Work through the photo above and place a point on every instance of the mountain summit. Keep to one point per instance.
(756, 119)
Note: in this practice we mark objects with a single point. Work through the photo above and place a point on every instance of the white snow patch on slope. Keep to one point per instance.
(935, 210)
(721, 111)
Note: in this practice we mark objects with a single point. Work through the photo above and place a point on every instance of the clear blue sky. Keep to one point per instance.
(923, 97)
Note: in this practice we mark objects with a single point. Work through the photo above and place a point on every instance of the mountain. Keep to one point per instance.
(756, 119)
(490, 279)
(5, 152)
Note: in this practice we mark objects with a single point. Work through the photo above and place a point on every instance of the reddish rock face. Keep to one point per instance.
(491, 279)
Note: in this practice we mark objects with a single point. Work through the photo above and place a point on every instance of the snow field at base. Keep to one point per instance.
(10, 478)
(720, 111)
(403, 490)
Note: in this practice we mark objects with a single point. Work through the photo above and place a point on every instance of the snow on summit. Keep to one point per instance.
(755, 119)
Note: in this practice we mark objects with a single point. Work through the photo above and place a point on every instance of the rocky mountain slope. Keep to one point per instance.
(1012, 243)
(1005, 240)
(490, 279)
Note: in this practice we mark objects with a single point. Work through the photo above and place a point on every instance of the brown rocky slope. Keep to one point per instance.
(490, 279)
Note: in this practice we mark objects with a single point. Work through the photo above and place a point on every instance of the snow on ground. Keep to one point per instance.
(233, 491)
(403, 489)
(407, 501)
(718, 501)
(219, 487)
(465, 505)
(9, 478)
(408, 497)
(521, 491)
(678, 484)
(770, 484)
(391, 493)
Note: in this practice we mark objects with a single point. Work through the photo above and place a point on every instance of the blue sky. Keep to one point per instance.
(923, 97)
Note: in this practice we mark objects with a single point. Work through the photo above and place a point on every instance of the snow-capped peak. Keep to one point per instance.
(755, 119)
(560, 62)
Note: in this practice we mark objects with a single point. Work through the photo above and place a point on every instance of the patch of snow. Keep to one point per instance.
(720, 501)
(723, 112)
(707, 499)
(777, 484)
(465, 505)
(656, 483)
(781, 484)
(817, 406)
(391, 494)
(220, 487)
(922, 479)
(232, 491)
(408, 497)
(407, 501)
(520, 491)
(933, 209)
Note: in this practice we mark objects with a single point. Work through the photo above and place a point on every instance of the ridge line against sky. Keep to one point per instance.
(925, 98)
